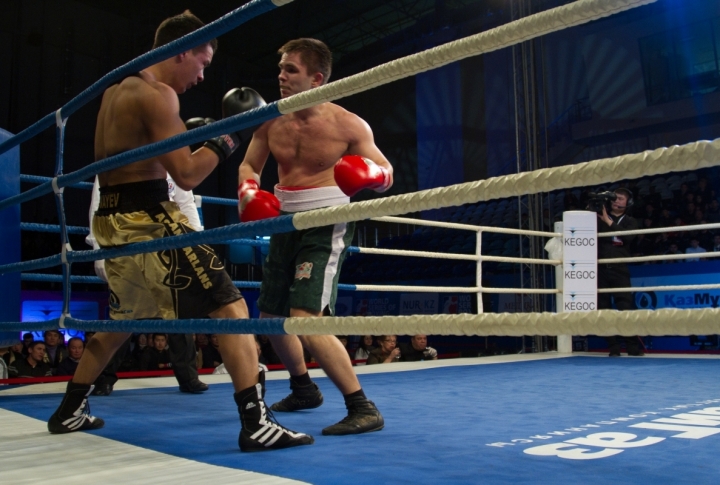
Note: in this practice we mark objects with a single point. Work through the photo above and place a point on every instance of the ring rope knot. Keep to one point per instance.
(56, 189)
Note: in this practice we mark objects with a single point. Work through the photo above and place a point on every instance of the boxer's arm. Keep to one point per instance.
(185, 200)
(363, 143)
(161, 116)
(256, 156)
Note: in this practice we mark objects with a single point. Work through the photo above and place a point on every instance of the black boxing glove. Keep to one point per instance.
(239, 100)
(193, 123)
(235, 101)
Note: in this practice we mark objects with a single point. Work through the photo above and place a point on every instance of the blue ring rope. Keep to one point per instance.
(56, 278)
(211, 236)
(264, 326)
(233, 123)
(37, 179)
(205, 34)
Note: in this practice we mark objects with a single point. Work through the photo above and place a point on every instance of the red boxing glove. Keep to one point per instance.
(354, 173)
(255, 204)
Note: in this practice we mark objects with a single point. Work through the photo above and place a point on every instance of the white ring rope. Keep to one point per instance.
(455, 289)
(640, 289)
(657, 230)
(692, 156)
(658, 257)
(466, 227)
(667, 321)
(512, 33)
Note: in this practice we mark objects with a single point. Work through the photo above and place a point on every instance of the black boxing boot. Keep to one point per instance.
(259, 430)
(362, 417)
(305, 395)
(74, 411)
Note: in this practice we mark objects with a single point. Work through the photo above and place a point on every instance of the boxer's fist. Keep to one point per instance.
(354, 173)
(255, 204)
(235, 101)
(193, 123)
(239, 100)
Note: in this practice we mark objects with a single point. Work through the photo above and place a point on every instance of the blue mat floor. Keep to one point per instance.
(458, 425)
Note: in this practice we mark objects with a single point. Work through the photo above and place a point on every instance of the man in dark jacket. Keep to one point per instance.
(617, 275)
(32, 365)
(156, 357)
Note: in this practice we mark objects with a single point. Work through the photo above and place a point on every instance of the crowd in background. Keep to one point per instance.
(691, 203)
(52, 356)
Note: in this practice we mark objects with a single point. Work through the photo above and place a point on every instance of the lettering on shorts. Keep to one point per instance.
(109, 201)
(303, 270)
(189, 253)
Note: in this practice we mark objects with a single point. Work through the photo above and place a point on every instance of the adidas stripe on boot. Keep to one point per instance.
(74, 411)
(260, 431)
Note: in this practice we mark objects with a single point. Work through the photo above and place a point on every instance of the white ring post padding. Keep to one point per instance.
(705, 321)
(692, 156)
(512, 33)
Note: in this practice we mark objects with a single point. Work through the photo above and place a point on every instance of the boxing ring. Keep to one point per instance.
(500, 419)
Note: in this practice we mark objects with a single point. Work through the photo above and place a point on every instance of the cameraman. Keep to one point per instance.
(616, 275)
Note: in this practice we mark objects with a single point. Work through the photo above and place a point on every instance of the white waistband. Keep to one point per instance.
(311, 198)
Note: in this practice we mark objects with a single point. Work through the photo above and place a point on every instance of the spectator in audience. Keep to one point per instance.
(75, 348)
(386, 353)
(674, 249)
(641, 246)
(366, 346)
(28, 338)
(141, 343)
(14, 353)
(698, 217)
(665, 219)
(55, 350)
(688, 214)
(211, 353)
(716, 242)
(712, 213)
(681, 196)
(201, 340)
(156, 357)
(271, 358)
(694, 248)
(417, 350)
(703, 190)
(32, 365)
(570, 202)
(650, 212)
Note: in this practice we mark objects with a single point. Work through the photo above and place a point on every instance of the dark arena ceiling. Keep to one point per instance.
(357, 31)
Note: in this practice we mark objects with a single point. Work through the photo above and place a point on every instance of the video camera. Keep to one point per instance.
(598, 200)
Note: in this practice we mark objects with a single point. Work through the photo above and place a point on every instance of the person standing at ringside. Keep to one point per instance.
(134, 206)
(325, 154)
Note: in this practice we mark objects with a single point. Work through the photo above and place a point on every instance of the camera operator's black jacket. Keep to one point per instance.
(608, 247)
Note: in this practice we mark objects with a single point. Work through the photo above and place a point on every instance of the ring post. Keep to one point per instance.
(10, 239)
(579, 270)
